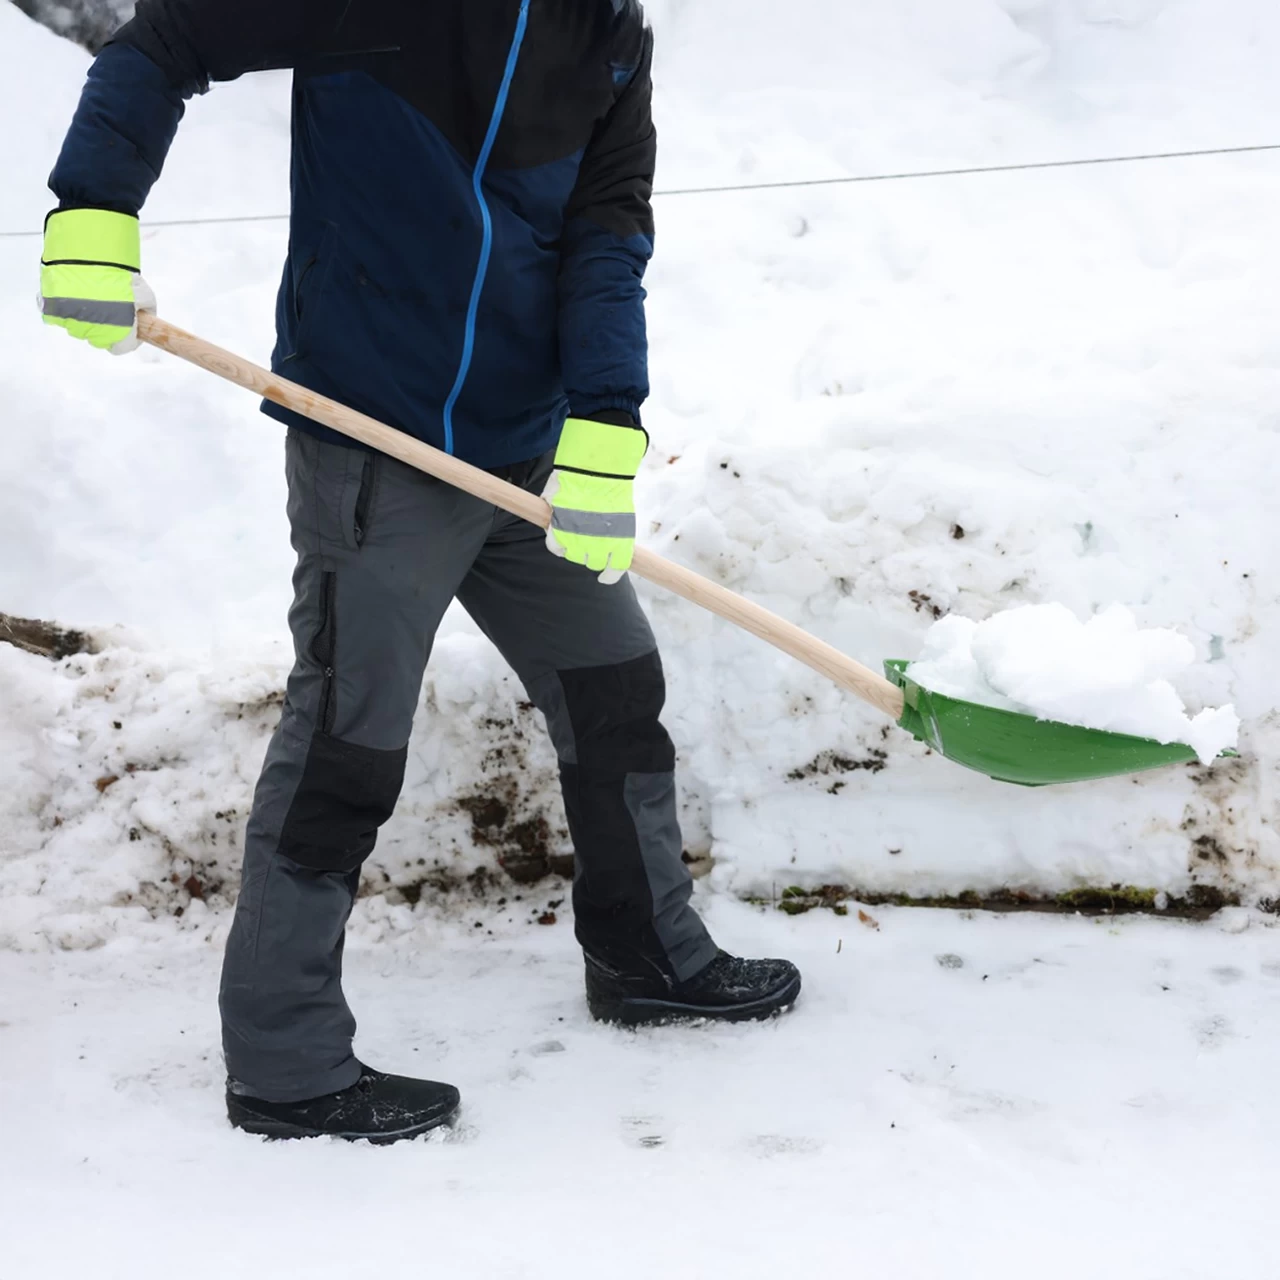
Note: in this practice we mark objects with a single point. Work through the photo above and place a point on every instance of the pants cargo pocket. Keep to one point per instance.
(364, 499)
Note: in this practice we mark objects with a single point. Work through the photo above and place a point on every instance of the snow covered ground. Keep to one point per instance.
(986, 1097)
(871, 404)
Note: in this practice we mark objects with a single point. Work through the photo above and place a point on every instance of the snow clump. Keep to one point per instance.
(1105, 673)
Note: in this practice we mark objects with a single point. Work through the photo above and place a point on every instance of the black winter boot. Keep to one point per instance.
(378, 1108)
(729, 989)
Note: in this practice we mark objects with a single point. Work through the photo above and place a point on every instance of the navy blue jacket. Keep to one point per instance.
(471, 187)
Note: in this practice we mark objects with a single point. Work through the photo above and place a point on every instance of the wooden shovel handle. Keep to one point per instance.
(823, 658)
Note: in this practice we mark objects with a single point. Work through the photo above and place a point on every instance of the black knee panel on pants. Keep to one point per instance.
(345, 795)
(613, 713)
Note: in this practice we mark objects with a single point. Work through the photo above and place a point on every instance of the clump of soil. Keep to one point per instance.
(45, 639)
(923, 602)
(1200, 902)
(826, 763)
(525, 847)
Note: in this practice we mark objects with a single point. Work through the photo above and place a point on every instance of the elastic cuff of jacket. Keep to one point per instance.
(613, 417)
(600, 449)
(598, 409)
(93, 236)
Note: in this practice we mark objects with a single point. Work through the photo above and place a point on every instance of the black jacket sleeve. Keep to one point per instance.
(606, 246)
(137, 88)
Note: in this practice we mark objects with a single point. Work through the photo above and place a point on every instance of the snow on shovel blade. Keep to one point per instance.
(1011, 747)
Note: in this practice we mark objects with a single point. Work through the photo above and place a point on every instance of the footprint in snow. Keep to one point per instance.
(546, 1047)
(1227, 974)
(985, 1102)
(642, 1131)
(1212, 1032)
(768, 1145)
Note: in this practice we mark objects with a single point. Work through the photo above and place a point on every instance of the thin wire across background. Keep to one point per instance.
(794, 184)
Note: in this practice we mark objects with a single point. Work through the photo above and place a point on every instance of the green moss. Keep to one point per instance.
(1120, 897)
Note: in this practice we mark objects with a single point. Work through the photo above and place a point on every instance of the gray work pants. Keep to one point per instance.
(382, 550)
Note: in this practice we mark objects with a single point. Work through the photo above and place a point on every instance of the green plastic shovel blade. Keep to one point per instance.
(1011, 747)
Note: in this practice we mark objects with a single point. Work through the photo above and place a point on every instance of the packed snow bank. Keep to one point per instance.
(872, 405)
(1103, 673)
(129, 774)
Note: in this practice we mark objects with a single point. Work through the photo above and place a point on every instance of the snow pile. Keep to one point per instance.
(1104, 673)
(129, 774)
(873, 406)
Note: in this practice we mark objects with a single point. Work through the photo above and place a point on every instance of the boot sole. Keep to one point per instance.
(636, 1011)
(280, 1130)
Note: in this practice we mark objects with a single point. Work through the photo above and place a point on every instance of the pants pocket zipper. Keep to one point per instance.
(324, 651)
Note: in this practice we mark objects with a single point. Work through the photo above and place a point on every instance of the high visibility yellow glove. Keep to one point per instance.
(593, 513)
(89, 277)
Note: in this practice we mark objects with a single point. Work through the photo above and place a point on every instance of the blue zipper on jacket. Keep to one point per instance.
(486, 243)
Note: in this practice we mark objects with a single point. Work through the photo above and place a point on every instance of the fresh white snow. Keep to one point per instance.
(1103, 673)
(977, 1098)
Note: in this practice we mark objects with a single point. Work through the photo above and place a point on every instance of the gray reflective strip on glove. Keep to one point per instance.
(90, 311)
(595, 524)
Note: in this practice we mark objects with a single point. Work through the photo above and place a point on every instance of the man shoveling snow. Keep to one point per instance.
(470, 227)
